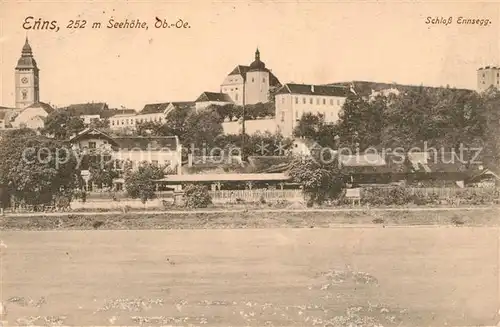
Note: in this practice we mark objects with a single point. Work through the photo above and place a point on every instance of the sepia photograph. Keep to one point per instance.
(249, 163)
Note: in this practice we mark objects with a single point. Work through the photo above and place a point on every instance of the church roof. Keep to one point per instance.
(213, 96)
(45, 106)
(26, 60)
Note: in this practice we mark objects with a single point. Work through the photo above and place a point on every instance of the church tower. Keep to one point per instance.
(27, 78)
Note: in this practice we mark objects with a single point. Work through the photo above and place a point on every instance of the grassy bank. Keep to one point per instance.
(226, 220)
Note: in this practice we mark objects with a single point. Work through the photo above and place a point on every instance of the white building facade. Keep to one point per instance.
(294, 100)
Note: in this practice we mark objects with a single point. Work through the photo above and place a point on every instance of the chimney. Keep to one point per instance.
(312, 88)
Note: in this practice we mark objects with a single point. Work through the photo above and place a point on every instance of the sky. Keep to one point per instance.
(300, 41)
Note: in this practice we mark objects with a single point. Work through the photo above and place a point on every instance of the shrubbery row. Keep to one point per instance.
(402, 196)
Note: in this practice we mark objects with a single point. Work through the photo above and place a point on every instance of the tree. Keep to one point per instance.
(140, 183)
(37, 169)
(103, 175)
(176, 123)
(196, 196)
(101, 124)
(361, 122)
(62, 124)
(202, 128)
(308, 126)
(149, 128)
(320, 179)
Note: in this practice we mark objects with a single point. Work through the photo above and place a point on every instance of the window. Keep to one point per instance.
(297, 100)
(282, 99)
(236, 96)
(282, 116)
(338, 102)
(253, 80)
(296, 115)
(304, 100)
(231, 89)
(324, 101)
(123, 122)
(310, 100)
(264, 80)
(483, 74)
(25, 94)
(92, 145)
(317, 100)
(112, 122)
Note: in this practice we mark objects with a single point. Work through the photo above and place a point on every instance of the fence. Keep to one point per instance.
(123, 195)
(256, 195)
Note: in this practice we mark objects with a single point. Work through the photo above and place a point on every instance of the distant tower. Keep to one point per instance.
(27, 78)
(487, 77)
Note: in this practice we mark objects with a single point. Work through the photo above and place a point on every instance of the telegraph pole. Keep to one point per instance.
(243, 155)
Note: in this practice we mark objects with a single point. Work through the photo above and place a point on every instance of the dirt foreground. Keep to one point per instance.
(248, 219)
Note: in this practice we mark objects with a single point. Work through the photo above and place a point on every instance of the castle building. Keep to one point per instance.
(295, 100)
(487, 77)
(250, 84)
(27, 79)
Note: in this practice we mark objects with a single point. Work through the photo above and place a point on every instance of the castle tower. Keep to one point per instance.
(487, 77)
(257, 81)
(27, 78)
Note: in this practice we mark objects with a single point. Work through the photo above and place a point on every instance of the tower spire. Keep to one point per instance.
(257, 54)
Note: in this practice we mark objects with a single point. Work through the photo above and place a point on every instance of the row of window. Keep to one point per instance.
(319, 101)
(131, 121)
(298, 114)
(498, 75)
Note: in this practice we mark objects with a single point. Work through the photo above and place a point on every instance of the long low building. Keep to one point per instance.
(217, 180)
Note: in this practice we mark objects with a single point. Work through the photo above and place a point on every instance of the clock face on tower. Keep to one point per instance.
(24, 80)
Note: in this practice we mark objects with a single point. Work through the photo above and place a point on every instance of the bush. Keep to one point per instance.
(425, 199)
(197, 196)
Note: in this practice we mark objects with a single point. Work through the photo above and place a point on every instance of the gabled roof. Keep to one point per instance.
(362, 160)
(154, 108)
(441, 162)
(45, 106)
(92, 133)
(158, 143)
(213, 96)
(240, 70)
(309, 89)
(183, 104)
(92, 108)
